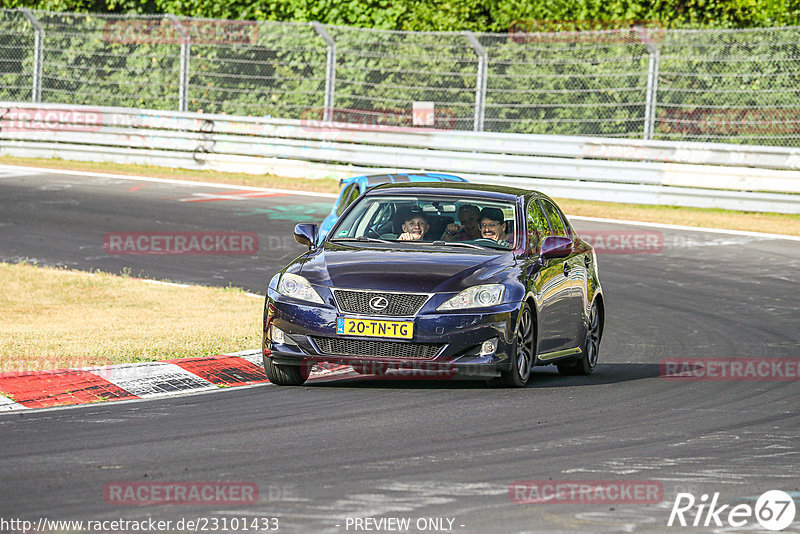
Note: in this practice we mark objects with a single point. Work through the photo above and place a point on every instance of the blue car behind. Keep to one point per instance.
(355, 186)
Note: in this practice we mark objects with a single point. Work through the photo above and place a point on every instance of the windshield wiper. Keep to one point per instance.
(456, 244)
(362, 239)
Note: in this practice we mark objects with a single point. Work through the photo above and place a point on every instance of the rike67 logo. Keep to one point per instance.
(774, 510)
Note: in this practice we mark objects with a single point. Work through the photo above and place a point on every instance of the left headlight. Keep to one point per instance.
(475, 297)
(297, 287)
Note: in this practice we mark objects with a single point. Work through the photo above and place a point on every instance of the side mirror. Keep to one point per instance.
(306, 234)
(556, 247)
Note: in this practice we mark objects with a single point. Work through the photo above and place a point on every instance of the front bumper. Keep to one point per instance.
(447, 344)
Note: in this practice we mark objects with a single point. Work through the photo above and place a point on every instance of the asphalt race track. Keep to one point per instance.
(328, 453)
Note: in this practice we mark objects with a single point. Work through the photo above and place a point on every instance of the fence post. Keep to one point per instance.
(651, 96)
(38, 56)
(480, 86)
(330, 71)
(183, 84)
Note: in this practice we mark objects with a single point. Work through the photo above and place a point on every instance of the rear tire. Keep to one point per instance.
(524, 354)
(285, 375)
(586, 362)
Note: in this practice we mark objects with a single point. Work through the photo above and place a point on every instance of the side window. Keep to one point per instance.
(537, 225)
(555, 219)
(350, 193)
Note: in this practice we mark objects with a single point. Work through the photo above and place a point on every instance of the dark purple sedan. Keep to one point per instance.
(449, 280)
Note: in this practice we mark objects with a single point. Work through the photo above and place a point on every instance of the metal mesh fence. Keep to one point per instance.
(571, 83)
(16, 57)
(379, 74)
(100, 60)
(255, 68)
(739, 86)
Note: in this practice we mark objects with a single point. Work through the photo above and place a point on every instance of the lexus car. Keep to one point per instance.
(353, 187)
(398, 286)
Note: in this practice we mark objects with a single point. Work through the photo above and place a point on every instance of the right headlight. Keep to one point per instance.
(475, 297)
(297, 287)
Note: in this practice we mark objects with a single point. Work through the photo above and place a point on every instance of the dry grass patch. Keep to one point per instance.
(55, 318)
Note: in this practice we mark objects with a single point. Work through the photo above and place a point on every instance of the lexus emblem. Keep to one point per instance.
(378, 303)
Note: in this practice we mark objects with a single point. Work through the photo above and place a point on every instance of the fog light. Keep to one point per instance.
(277, 335)
(489, 347)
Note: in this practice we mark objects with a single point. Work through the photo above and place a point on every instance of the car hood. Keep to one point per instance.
(401, 269)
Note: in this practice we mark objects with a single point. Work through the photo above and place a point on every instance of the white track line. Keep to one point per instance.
(168, 181)
(331, 195)
(6, 172)
(176, 284)
(688, 228)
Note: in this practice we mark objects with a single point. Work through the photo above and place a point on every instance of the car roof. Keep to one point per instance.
(469, 189)
(373, 180)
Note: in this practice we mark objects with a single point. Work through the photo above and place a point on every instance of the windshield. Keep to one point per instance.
(426, 219)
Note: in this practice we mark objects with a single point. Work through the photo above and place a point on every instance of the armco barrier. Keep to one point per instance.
(648, 172)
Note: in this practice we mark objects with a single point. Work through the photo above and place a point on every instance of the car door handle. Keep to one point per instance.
(587, 261)
(566, 268)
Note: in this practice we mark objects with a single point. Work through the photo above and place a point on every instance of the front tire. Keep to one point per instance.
(285, 375)
(524, 354)
(586, 362)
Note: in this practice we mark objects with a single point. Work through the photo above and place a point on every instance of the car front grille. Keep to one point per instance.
(399, 304)
(377, 349)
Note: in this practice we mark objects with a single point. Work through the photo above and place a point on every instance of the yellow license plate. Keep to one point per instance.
(374, 328)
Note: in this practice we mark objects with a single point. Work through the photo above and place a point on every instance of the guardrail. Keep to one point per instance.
(740, 177)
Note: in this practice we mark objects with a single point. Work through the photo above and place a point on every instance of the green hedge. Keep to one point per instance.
(717, 85)
(450, 15)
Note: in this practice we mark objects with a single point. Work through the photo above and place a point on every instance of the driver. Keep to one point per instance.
(493, 225)
(415, 225)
